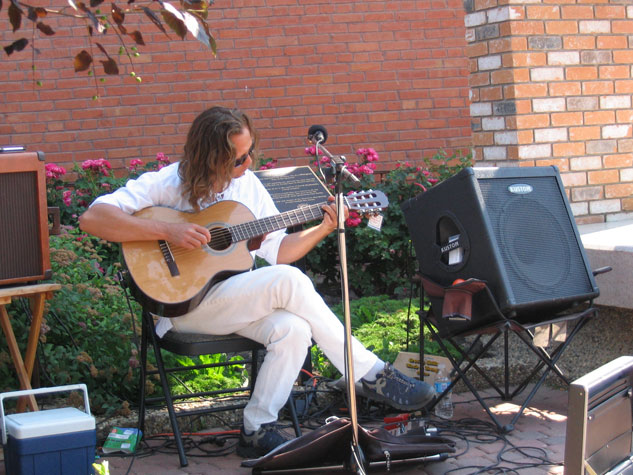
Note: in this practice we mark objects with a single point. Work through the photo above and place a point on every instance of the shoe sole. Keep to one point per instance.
(248, 452)
(401, 407)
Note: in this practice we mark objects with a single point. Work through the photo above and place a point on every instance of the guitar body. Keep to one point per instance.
(198, 269)
(170, 280)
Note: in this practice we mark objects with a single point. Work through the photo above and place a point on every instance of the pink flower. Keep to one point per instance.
(67, 197)
(161, 157)
(135, 163)
(433, 181)
(310, 150)
(353, 220)
(421, 186)
(54, 171)
(100, 165)
(268, 165)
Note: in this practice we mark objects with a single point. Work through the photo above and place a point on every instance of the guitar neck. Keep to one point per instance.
(305, 214)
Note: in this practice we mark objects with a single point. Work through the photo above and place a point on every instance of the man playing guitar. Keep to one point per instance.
(275, 305)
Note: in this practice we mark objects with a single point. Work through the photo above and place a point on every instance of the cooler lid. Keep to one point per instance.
(50, 422)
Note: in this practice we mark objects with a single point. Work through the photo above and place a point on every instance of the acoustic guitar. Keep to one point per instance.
(171, 280)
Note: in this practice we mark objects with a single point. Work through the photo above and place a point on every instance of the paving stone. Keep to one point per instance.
(542, 426)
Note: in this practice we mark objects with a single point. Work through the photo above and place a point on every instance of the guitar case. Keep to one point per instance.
(329, 447)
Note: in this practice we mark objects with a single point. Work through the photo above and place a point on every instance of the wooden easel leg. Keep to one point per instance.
(23, 375)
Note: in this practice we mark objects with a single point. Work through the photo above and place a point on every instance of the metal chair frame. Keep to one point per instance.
(502, 327)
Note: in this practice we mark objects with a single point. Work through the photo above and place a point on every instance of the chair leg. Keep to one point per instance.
(293, 415)
(168, 400)
(142, 376)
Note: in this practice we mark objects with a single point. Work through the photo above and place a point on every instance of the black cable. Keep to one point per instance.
(471, 431)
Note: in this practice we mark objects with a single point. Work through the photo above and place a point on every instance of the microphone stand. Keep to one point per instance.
(357, 459)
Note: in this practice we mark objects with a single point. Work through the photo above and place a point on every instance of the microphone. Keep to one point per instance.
(317, 133)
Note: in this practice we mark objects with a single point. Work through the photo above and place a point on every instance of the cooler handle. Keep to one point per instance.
(28, 392)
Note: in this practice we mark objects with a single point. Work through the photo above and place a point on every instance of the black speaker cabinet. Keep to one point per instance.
(511, 227)
(24, 253)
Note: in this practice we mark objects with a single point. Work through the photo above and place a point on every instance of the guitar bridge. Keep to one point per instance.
(169, 258)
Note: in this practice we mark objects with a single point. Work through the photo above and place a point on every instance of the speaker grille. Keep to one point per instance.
(534, 231)
(20, 255)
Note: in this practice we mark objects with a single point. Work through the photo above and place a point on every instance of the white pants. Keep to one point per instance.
(278, 307)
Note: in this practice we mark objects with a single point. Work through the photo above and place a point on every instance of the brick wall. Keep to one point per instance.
(551, 85)
(387, 74)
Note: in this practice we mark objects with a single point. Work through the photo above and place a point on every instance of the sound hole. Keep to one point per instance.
(534, 244)
(220, 239)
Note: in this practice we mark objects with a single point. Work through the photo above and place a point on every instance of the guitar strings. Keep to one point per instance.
(222, 238)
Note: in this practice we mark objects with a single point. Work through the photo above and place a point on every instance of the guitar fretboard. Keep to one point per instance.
(245, 231)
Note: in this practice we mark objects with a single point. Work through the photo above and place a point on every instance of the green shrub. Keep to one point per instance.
(385, 326)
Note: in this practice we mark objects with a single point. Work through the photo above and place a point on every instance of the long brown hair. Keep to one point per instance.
(209, 154)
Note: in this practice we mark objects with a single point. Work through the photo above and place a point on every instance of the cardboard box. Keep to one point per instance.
(56, 441)
(409, 363)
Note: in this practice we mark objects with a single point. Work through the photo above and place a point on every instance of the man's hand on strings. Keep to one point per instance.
(187, 235)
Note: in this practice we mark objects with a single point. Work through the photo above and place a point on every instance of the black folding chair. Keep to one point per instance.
(193, 344)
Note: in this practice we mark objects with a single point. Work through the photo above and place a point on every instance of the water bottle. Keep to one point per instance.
(444, 408)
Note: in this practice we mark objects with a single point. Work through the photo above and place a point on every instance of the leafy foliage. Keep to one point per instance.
(94, 178)
(192, 18)
(88, 330)
(385, 326)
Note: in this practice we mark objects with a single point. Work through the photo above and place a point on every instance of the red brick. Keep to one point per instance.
(599, 117)
(597, 87)
(624, 116)
(624, 160)
(622, 26)
(573, 73)
(602, 177)
(561, 27)
(526, 90)
(542, 12)
(584, 133)
(577, 12)
(532, 121)
(522, 28)
(610, 11)
(612, 42)
(568, 149)
(623, 56)
(614, 72)
(570, 88)
(579, 42)
(566, 118)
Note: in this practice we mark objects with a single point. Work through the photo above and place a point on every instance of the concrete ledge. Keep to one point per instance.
(611, 244)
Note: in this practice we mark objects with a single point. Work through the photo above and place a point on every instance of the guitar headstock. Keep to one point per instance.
(370, 201)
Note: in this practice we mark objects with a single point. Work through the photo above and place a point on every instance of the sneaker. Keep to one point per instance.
(262, 441)
(398, 390)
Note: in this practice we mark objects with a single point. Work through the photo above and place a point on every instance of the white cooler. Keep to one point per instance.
(52, 442)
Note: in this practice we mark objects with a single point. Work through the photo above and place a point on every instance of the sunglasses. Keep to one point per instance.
(240, 161)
